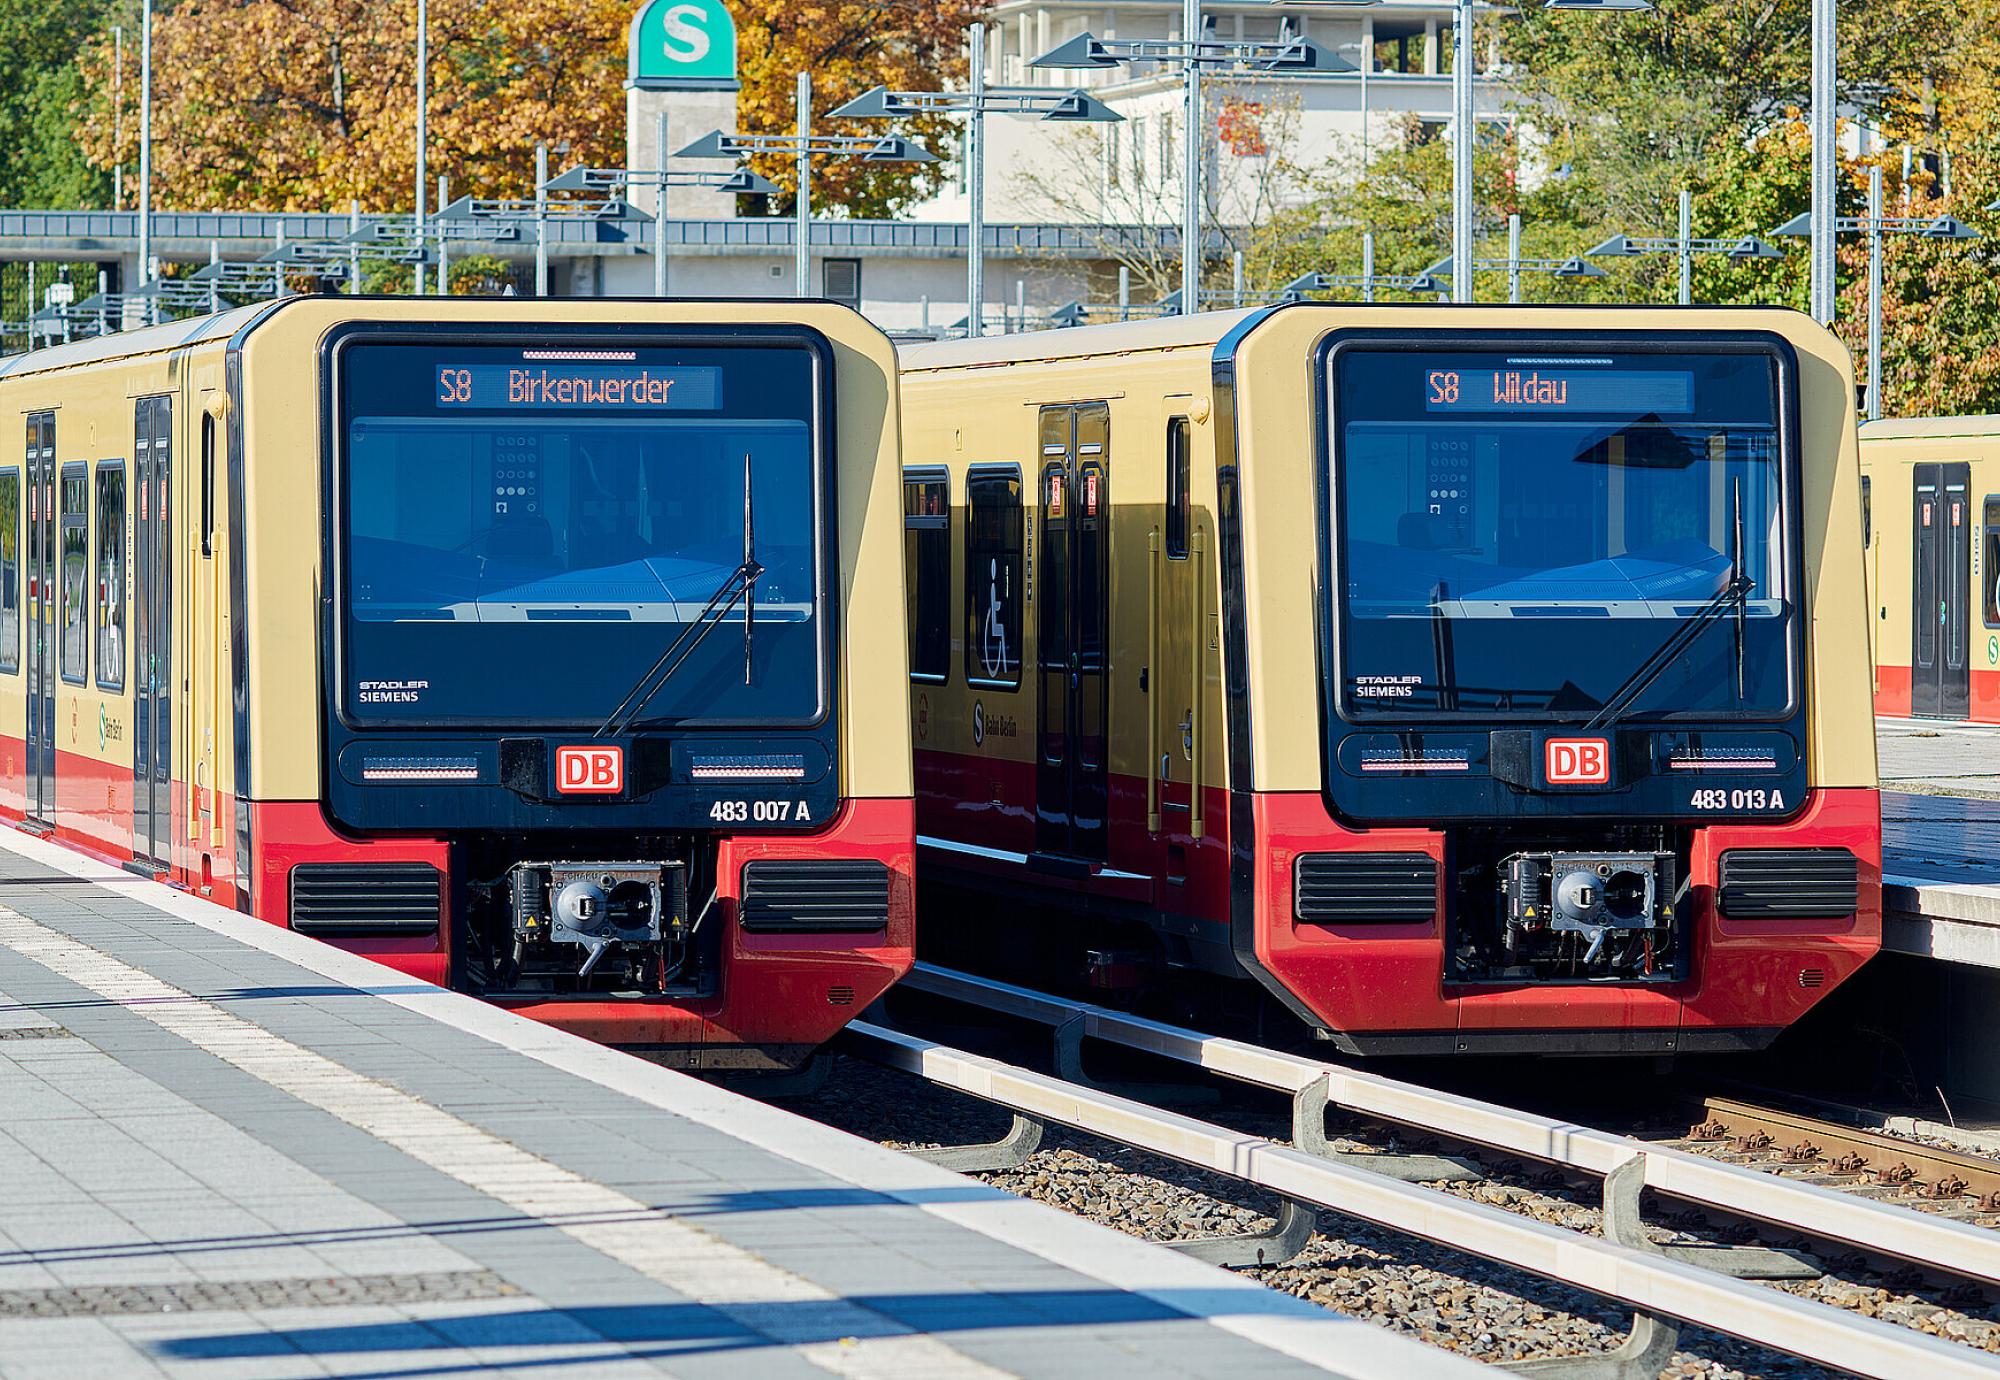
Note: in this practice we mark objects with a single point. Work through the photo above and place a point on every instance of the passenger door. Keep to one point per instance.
(152, 609)
(1174, 656)
(1940, 581)
(41, 563)
(1072, 786)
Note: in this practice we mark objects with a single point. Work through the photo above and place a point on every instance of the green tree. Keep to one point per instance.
(39, 84)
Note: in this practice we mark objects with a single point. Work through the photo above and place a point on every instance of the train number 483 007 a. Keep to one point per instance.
(760, 812)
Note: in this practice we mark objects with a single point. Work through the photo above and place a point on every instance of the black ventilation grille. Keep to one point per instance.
(1365, 888)
(363, 899)
(1789, 883)
(815, 896)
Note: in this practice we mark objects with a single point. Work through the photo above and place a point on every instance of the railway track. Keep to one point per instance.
(1815, 1150)
(1723, 1167)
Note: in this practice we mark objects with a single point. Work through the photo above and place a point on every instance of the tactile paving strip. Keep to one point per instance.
(245, 1295)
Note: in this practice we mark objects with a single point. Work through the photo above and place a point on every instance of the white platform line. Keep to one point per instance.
(1290, 1326)
(827, 1330)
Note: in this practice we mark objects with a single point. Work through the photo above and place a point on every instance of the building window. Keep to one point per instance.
(111, 575)
(927, 572)
(10, 571)
(1179, 472)
(75, 549)
(841, 281)
(993, 577)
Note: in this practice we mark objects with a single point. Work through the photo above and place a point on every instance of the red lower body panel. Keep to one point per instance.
(777, 992)
(1389, 979)
(1745, 975)
(781, 992)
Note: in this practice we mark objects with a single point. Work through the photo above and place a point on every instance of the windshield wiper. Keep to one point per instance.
(1736, 592)
(739, 586)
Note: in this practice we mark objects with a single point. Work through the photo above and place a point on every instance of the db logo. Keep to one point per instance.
(1578, 761)
(590, 770)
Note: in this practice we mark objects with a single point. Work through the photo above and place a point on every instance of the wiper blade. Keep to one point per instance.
(1736, 592)
(740, 586)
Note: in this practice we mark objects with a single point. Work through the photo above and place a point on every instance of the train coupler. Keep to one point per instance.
(630, 908)
(1610, 914)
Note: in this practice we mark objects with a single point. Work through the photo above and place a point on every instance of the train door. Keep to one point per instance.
(205, 649)
(1940, 581)
(1072, 792)
(1174, 658)
(152, 662)
(41, 745)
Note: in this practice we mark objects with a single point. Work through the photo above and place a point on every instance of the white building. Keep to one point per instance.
(1401, 86)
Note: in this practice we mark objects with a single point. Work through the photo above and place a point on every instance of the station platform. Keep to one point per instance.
(231, 1151)
(1941, 840)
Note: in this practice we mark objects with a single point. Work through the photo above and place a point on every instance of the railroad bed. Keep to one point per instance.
(1509, 1260)
(231, 1150)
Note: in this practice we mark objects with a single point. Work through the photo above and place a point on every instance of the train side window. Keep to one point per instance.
(993, 531)
(74, 648)
(1179, 475)
(10, 571)
(207, 485)
(1867, 516)
(927, 572)
(111, 575)
(1990, 567)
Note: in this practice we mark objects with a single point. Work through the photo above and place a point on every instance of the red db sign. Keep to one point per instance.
(590, 770)
(1577, 761)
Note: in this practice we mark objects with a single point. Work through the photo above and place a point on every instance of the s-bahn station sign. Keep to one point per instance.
(680, 45)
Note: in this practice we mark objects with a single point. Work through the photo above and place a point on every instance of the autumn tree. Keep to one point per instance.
(304, 104)
(850, 46)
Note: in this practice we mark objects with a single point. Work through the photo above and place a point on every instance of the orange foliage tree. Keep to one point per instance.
(305, 104)
(850, 46)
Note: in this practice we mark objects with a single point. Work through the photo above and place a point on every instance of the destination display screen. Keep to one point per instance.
(578, 386)
(1528, 388)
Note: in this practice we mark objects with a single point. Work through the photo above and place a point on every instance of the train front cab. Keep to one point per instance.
(512, 644)
(1357, 811)
(1932, 488)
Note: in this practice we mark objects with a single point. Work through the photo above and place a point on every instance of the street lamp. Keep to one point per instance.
(1685, 246)
(976, 103)
(803, 147)
(423, 105)
(1295, 56)
(1515, 266)
(612, 182)
(1875, 225)
(146, 144)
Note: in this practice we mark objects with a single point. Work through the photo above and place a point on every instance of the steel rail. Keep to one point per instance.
(1645, 1280)
(1924, 1238)
(1892, 1159)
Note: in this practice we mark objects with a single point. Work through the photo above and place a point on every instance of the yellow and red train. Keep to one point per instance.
(1472, 679)
(1932, 528)
(552, 650)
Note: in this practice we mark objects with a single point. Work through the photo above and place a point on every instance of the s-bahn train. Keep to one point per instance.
(1472, 679)
(550, 650)
(1931, 496)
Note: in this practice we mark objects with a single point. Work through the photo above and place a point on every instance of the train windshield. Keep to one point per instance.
(524, 532)
(1530, 535)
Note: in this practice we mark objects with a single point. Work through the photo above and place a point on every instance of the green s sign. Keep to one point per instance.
(682, 43)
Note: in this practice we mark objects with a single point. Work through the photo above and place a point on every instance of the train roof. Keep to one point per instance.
(168, 335)
(1898, 428)
(1074, 342)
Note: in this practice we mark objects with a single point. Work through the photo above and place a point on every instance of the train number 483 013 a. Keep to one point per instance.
(1755, 799)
